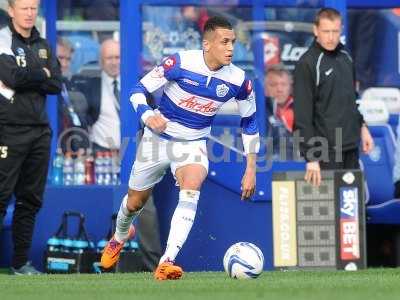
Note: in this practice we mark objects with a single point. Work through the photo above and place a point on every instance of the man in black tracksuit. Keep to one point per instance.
(325, 109)
(28, 72)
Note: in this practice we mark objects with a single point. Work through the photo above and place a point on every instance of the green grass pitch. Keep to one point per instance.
(325, 285)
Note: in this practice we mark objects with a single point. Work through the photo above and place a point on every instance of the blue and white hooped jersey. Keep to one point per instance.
(193, 94)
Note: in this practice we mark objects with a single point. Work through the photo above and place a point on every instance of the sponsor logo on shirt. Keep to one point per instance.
(222, 90)
(193, 105)
(327, 73)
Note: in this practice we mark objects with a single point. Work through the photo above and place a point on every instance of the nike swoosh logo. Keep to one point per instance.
(327, 73)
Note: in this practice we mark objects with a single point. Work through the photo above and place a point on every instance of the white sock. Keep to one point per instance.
(181, 223)
(124, 221)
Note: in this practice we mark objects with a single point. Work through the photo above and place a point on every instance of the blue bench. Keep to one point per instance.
(378, 170)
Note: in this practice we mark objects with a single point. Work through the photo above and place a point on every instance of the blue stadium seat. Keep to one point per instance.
(86, 50)
(9, 215)
(394, 122)
(378, 170)
(226, 128)
(6, 237)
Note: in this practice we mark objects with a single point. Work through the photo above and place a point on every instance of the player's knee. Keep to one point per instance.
(136, 200)
(191, 184)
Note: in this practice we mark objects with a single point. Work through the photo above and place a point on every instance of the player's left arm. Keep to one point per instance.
(250, 136)
(52, 85)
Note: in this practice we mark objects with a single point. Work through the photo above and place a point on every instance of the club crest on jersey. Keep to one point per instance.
(43, 53)
(222, 90)
(20, 52)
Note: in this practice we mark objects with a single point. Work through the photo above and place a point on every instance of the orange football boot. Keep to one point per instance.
(168, 271)
(113, 249)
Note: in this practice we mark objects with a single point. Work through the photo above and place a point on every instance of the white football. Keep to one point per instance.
(243, 261)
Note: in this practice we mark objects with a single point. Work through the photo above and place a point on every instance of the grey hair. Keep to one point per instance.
(12, 2)
(62, 42)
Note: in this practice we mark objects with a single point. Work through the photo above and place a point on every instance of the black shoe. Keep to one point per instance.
(26, 269)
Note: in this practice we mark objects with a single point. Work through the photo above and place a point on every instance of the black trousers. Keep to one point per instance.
(348, 160)
(24, 159)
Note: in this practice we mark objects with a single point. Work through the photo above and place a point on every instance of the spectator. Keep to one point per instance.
(325, 109)
(195, 15)
(279, 101)
(28, 72)
(72, 105)
(362, 26)
(102, 93)
(64, 55)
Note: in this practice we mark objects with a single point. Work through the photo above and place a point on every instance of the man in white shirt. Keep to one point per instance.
(102, 93)
(106, 130)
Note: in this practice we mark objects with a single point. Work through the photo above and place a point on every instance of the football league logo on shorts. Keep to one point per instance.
(222, 90)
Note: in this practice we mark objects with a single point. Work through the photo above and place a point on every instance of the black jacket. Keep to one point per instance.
(91, 88)
(21, 69)
(325, 99)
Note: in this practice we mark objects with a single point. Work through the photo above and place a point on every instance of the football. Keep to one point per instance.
(243, 261)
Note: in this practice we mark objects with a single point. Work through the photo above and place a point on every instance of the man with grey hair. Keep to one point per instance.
(28, 72)
(72, 105)
(102, 94)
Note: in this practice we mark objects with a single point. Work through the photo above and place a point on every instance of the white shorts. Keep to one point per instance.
(154, 154)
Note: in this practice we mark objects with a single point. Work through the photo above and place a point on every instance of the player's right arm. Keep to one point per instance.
(152, 81)
(304, 94)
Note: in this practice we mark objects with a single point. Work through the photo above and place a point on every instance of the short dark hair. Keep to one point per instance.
(216, 22)
(327, 13)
